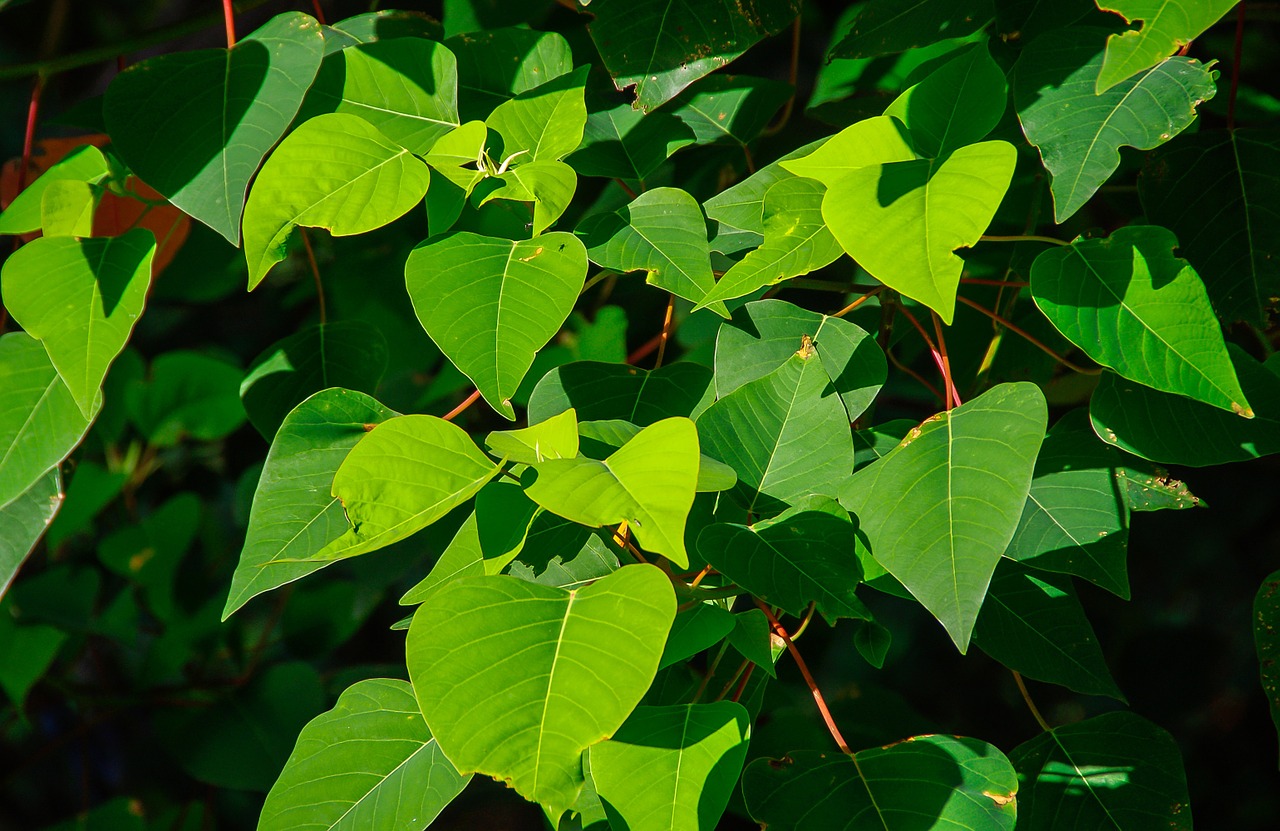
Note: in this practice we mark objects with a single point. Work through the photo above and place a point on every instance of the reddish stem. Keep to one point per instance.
(979, 281)
(29, 138)
(893, 359)
(950, 383)
(665, 334)
(933, 350)
(625, 188)
(642, 352)
(781, 632)
(319, 10)
(855, 304)
(229, 18)
(315, 273)
(742, 685)
(458, 410)
(1235, 66)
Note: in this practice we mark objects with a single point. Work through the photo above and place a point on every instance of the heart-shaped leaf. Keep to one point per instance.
(490, 657)
(649, 483)
(1132, 284)
(904, 221)
(967, 491)
(80, 298)
(196, 125)
(956, 104)
(336, 171)
(490, 304)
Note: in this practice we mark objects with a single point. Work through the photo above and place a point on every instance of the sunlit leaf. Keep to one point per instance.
(1165, 26)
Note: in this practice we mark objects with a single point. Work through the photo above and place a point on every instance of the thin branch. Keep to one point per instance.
(1030, 338)
(742, 685)
(749, 159)
(952, 394)
(1021, 238)
(229, 21)
(315, 273)
(744, 667)
(781, 632)
(855, 304)
(665, 334)
(319, 12)
(893, 359)
(1235, 66)
(1031, 705)
(625, 188)
(933, 349)
(643, 352)
(458, 410)
(979, 281)
(711, 670)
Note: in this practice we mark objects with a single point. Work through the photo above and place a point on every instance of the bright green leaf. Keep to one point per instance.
(610, 434)
(555, 438)
(67, 209)
(82, 165)
(549, 185)
(491, 657)
(1166, 26)
(544, 123)
(870, 142)
(956, 104)
(738, 211)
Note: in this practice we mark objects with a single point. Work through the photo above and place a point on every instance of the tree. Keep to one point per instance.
(678, 427)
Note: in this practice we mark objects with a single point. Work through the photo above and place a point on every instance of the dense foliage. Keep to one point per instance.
(688, 415)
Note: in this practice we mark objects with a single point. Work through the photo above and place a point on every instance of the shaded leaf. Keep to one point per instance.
(884, 27)
(601, 391)
(695, 629)
(1266, 638)
(22, 522)
(488, 74)
(729, 108)
(738, 211)
(625, 143)
(187, 394)
(956, 104)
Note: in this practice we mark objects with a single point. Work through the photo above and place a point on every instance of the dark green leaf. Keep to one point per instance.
(600, 391)
(956, 104)
(188, 394)
(694, 630)
(1266, 637)
(884, 27)
(488, 75)
(729, 108)
(23, 519)
(625, 143)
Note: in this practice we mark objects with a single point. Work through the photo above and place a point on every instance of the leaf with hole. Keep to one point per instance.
(1165, 27)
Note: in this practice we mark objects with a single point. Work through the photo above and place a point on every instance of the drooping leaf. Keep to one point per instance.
(293, 515)
(966, 474)
(763, 335)
(1166, 26)
(84, 165)
(405, 87)
(904, 221)
(187, 394)
(922, 782)
(796, 241)
(1116, 769)
(784, 434)
(601, 391)
(80, 298)
(662, 232)
(738, 211)
(1131, 284)
(649, 483)
(1218, 191)
(23, 520)
(1266, 638)
(492, 659)
(1075, 520)
(555, 438)
(956, 104)
(544, 122)
(40, 423)
(672, 767)
(402, 476)
(370, 763)
(487, 73)
(805, 558)
(1173, 429)
(348, 354)
(625, 143)
(644, 44)
(336, 171)
(884, 27)
(1080, 133)
(729, 108)
(196, 125)
(1034, 624)
(490, 304)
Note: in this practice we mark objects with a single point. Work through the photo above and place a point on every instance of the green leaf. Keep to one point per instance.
(293, 515)
(1034, 624)
(662, 232)
(645, 43)
(966, 474)
(80, 298)
(1266, 637)
(867, 143)
(188, 394)
(753, 636)
(385, 25)
(369, 763)
(82, 165)
(1166, 26)
(956, 104)
(490, 657)
(348, 354)
(1219, 191)
(1075, 520)
(763, 336)
(695, 630)
(738, 211)
(1116, 770)
(549, 185)
(67, 209)
(605, 436)
(545, 122)
(1133, 306)
(625, 143)
(672, 767)
(805, 558)
(337, 172)
(733, 109)
(405, 87)
(402, 476)
(649, 484)
(1080, 133)
(1173, 429)
(922, 782)
(555, 438)
(601, 391)
(796, 241)
(196, 125)
(26, 653)
(904, 221)
(563, 554)
(872, 642)
(490, 304)
(885, 27)
(40, 423)
(495, 65)
(23, 520)
(783, 433)
(1151, 488)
